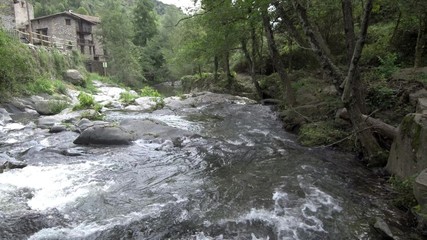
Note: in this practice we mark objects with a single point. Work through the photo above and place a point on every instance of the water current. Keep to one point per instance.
(242, 177)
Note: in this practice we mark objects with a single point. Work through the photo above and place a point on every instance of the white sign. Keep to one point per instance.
(104, 64)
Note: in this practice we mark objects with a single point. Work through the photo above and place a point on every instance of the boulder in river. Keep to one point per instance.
(408, 154)
(107, 135)
(75, 77)
(4, 116)
(381, 226)
(7, 163)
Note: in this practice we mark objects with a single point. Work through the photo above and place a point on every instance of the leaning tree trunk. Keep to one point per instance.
(350, 38)
(352, 84)
(277, 61)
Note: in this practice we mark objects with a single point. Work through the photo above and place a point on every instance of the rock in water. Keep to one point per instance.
(7, 162)
(382, 227)
(108, 135)
(75, 77)
(408, 154)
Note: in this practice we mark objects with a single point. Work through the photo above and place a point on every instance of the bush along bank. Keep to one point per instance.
(26, 70)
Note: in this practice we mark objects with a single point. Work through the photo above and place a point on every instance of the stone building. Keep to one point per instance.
(78, 30)
(14, 14)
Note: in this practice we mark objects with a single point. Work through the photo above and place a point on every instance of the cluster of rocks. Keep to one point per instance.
(408, 154)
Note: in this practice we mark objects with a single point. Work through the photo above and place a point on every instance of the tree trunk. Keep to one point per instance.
(350, 38)
(216, 66)
(252, 67)
(419, 48)
(277, 61)
(382, 128)
(228, 70)
(289, 25)
(322, 55)
(353, 86)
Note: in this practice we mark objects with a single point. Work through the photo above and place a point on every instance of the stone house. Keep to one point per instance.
(14, 14)
(79, 31)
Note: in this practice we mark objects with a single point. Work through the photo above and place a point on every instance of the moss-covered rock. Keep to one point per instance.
(408, 154)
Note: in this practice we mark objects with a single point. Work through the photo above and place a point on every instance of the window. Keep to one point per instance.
(67, 21)
(23, 4)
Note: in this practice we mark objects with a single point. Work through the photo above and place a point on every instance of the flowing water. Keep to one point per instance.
(242, 178)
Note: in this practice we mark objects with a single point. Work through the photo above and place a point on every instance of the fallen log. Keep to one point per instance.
(381, 127)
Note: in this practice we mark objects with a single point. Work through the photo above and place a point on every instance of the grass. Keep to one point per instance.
(405, 198)
(87, 101)
(149, 92)
(127, 97)
(57, 106)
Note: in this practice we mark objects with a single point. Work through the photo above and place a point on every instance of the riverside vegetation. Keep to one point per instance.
(311, 61)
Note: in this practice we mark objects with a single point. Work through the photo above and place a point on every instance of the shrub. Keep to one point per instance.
(404, 198)
(150, 92)
(93, 115)
(86, 101)
(57, 106)
(320, 133)
(127, 97)
(160, 103)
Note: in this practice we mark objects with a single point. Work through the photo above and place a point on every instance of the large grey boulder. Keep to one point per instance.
(75, 77)
(408, 154)
(413, 97)
(7, 163)
(422, 105)
(420, 189)
(49, 107)
(4, 116)
(107, 135)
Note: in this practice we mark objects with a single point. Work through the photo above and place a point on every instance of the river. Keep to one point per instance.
(242, 177)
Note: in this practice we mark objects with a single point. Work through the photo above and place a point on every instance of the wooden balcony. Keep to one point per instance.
(84, 42)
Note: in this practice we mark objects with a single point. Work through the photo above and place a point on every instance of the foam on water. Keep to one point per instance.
(53, 186)
(288, 221)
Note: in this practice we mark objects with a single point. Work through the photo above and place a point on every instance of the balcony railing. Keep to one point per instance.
(84, 29)
(85, 42)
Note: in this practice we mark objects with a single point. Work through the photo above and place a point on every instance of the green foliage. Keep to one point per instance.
(57, 106)
(117, 35)
(127, 97)
(144, 22)
(320, 134)
(16, 64)
(92, 115)
(160, 103)
(382, 97)
(388, 65)
(150, 92)
(404, 197)
(86, 101)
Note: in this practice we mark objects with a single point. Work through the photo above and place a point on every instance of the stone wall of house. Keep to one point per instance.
(7, 15)
(21, 15)
(57, 28)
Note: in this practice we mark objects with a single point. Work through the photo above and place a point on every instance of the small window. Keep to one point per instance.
(22, 4)
(67, 21)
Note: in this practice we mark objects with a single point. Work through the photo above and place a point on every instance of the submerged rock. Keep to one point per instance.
(408, 154)
(108, 135)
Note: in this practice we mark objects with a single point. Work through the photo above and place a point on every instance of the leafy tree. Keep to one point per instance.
(144, 22)
(117, 35)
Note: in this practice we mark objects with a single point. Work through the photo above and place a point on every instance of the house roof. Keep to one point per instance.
(91, 19)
